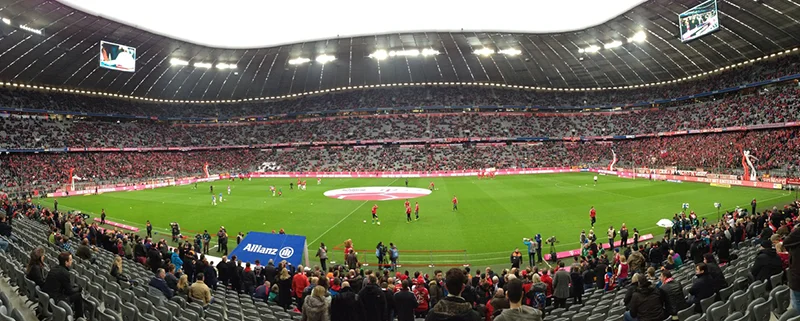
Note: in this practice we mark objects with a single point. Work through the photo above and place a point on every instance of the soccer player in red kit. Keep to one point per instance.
(408, 214)
(593, 215)
(407, 204)
(430, 186)
(375, 213)
(416, 210)
(455, 204)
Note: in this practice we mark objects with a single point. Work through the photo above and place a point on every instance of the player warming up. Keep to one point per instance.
(408, 214)
(220, 197)
(430, 186)
(455, 204)
(595, 180)
(214, 200)
(211, 187)
(593, 215)
(375, 214)
(229, 190)
(416, 211)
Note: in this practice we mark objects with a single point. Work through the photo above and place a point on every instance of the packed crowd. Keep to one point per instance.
(765, 106)
(650, 278)
(402, 97)
(719, 153)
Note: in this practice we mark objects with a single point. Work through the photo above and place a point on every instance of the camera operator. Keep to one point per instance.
(552, 241)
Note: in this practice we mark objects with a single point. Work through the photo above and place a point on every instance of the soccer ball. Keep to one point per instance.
(379, 223)
(365, 221)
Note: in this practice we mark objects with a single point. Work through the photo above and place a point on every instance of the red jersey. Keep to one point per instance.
(431, 185)
(375, 209)
(455, 200)
(304, 183)
(416, 207)
(407, 204)
(408, 210)
(592, 213)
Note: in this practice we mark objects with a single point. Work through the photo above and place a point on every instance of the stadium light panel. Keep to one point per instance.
(404, 53)
(325, 59)
(31, 30)
(484, 51)
(430, 52)
(202, 65)
(510, 52)
(298, 61)
(224, 66)
(613, 44)
(379, 54)
(7, 21)
(590, 49)
(640, 36)
(178, 62)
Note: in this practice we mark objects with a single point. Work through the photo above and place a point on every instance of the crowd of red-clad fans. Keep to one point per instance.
(775, 150)
(764, 106)
(406, 96)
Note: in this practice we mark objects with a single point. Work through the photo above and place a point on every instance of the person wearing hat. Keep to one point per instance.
(767, 263)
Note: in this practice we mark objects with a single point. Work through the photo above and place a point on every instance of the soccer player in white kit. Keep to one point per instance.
(229, 190)
(214, 200)
(595, 180)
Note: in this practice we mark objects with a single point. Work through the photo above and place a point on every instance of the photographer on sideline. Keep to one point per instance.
(552, 241)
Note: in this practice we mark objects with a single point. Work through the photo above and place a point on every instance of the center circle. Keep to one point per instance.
(374, 193)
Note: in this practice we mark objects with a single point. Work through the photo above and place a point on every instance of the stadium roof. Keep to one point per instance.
(244, 24)
(48, 43)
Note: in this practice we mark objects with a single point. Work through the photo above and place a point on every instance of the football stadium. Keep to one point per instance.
(577, 160)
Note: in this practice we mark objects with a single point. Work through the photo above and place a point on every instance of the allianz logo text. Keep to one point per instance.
(284, 253)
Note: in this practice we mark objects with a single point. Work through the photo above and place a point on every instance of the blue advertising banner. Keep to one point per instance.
(267, 246)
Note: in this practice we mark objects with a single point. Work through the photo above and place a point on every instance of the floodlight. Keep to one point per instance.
(484, 51)
(325, 59)
(298, 61)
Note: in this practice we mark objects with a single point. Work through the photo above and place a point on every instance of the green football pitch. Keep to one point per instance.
(493, 217)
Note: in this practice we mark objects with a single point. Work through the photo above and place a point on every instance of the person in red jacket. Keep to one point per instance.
(547, 279)
(423, 299)
(299, 283)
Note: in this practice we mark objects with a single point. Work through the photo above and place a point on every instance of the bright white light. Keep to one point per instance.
(613, 44)
(484, 51)
(7, 21)
(228, 26)
(226, 66)
(590, 49)
(298, 61)
(379, 54)
(404, 53)
(31, 30)
(325, 59)
(202, 65)
(430, 52)
(178, 62)
(510, 52)
(638, 37)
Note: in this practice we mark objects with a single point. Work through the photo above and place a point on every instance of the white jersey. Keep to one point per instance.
(595, 178)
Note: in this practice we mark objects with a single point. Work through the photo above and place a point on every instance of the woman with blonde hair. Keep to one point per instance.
(116, 270)
(315, 308)
(284, 289)
(183, 285)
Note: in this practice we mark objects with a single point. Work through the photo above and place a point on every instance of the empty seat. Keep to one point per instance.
(705, 303)
(44, 304)
(725, 293)
(717, 311)
(595, 317)
(738, 302)
(758, 290)
(734, 317)
(580, 316)
(197, 308)
(143, 305)
(781, 296)
(162, 314)
(776, 280)
(684, 314)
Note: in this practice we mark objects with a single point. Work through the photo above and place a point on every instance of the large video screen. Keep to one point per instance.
(117, 57)
(699, 21)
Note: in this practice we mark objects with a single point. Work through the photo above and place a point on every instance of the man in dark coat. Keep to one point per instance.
(453, 307)
(153, 259)
(270, 272)
(234, 274)
(767, 263)
(373, 300)
(698, 249)
(576, 284)
(647, 303)
(60, 287)
(159, 283)
(345, 306)
(723, 248)
(222, 269)
(561, 291)
(404, 303)
(674, 292)
(792, 244)
(702, 287)
(388, 294)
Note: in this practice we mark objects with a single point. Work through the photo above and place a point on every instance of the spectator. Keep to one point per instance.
(84, 251)
(561, 290)
(299, 283)
(322, 253)
(373, 300)
(60, 287)
(284, 289)
(496, 304)
(199, 291)
(767, 263)
(315, 308)
(674, 291)
(577, 286)
(517, 311)
(5, 230)
(345, 306)
(249, 280)
(647, 303)
(159, 283)
(262, 291)
(453, 307)
(172, 280)
(210, 275)
(405, 303)
(183, 285)
(35, 269)
(792, 244)
(702, 287)
(116, 270)
(423, 298)
(715, 272)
